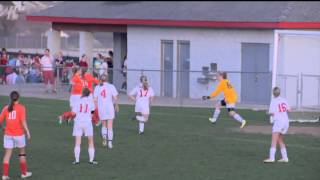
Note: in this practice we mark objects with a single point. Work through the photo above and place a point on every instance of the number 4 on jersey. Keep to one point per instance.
(103, 93)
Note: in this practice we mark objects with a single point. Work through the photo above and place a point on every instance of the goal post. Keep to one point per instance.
(296, 69)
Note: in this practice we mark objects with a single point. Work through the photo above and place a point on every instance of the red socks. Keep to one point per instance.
(5, 169)
(67, 115)
(23, 168)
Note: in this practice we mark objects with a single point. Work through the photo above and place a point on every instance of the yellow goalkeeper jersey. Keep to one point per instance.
(228, 90)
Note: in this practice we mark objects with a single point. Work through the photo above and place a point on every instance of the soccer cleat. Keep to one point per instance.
(268, 161)
(212, 120)
(60, 119)
(5, 177)
(244, 122)
(283, 160)
(93, 162)
(75, 163)
(110, 146)
(141, 132)
(28, 174)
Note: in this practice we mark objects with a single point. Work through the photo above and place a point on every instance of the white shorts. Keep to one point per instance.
(142, 108)
(10, 142)
(230, 105)
(106, 113)
(80, 128)
(280, 127)
(74, 99)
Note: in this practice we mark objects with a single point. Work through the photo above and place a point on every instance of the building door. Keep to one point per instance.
(167, 68)
(255, 76)
(183, 68)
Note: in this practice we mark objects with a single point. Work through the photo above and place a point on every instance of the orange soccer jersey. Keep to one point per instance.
(14, 120)
(77, 85)
(228, 90)
(90, 80)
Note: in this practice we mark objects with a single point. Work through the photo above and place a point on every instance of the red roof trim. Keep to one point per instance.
(179, 23)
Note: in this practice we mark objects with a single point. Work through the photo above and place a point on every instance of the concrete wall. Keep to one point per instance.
(301, 54)
(206, 46)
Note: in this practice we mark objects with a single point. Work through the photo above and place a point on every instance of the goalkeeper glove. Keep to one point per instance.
(205, 97)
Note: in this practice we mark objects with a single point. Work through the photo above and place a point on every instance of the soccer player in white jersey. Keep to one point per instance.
(143, 96)
(106, 97)
(278, 111)
(84, 108)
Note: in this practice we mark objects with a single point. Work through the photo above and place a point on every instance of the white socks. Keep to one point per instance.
(110, 135)
(91, 154)
(284, 153)
(272, 153)
(216, 113)
(141, 126)
(237, 117)
(77, 153)
(141, 118)
(104, 132)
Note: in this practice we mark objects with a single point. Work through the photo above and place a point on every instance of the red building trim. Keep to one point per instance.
(179, 23)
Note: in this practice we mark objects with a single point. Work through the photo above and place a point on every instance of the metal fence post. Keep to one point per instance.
(301, 90)
(285, 86)
(58, 80)
(297, 92)
(319, 91)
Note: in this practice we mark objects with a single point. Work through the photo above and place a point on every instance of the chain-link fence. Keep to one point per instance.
(176, 88)
(310, 91)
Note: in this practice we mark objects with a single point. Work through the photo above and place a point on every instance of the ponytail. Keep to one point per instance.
(14, 96)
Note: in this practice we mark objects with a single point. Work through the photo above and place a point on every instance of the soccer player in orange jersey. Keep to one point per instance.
(77, 85)
(230, 99)
(14, 135)
(90, 81)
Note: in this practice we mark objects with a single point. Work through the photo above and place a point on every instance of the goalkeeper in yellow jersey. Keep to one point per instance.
(230, 99)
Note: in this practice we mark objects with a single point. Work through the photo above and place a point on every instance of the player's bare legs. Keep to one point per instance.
(77, 149)
(273, 148)
(282, 149)
(91, 150)
(5, 163)
(237, 117)
(104, 132)
(23, 163)
(110, 133)
(216, 113)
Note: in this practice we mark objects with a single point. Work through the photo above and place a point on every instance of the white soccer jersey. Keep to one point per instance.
(83, 108)
(105, 95)
(142, 98)
(279, 107)
(46, 63)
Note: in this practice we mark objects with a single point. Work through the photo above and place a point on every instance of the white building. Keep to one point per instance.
(172, 42)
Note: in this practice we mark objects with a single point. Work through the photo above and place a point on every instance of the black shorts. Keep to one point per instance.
(223, 103)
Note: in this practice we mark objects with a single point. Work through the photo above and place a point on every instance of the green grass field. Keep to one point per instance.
(179, 143)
